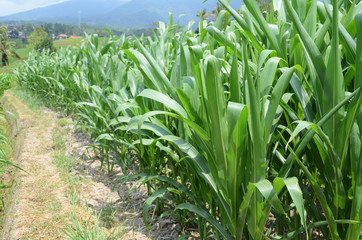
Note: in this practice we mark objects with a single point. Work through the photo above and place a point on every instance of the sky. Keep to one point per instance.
(13, 6)
(8, 7)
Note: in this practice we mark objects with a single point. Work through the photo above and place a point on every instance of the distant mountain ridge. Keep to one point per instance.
(158, 10)
(132, 14)
(61, 10)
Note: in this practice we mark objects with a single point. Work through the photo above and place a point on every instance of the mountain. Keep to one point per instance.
(66, 12)
(141, 13)
(131, 14)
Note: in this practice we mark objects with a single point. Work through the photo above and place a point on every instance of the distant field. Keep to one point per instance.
(68, 42)
(13, 62)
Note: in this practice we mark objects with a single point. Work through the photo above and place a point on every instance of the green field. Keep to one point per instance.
(13, 62)
(248, 129)
(68, 42)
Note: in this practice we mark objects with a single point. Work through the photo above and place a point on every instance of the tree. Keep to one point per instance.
(264, 5)
(58, 28)
(37, 36)
(5, 46)
(39, 40)
(14, 33)
(217, 10)
(203, 14)
(48, 27)
(28, 28)
(47, 43)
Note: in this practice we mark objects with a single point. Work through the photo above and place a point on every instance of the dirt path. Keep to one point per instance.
(39, 199)
(44, 197)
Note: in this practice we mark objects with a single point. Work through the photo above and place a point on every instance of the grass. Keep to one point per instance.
(30, 98)
(65, 163)
(90, 229)
(68, 42)
(6, 147)
(13, 62)
(5, 152)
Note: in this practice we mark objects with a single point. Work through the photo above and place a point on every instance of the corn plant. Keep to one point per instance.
(231, 125)
(315, 30)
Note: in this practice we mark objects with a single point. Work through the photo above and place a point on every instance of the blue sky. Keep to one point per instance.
(13, 6)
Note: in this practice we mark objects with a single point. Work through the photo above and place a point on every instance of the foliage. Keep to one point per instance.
(5, 144)
(264, 5)
(37, 36)
(230, 126)
(5, 47)
(20, 43)
(39, 40)
(89, 230)
(68, 42)
(46, 44)
(6, 81)
(13, 62)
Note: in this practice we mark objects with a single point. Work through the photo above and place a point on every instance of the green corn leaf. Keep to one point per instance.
(255, 126)
(259, 149)
(312, 49)
(296, 194)
(206, 216)
(165, 100)
(268, 75)
(334, 84)
(247, 31)
(156, 195)
(304, 98)
(216, 108)
(329, 215)
(235, 79)
(276, 96)
(355, 139)
(346, 39)
(279, 7)
(268, 192)
(311, 19)
(309, 136)
(255, 11)
(221, 39)
(339, 191)
(237, 117)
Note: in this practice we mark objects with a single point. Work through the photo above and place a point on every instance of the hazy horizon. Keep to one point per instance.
(9, 7)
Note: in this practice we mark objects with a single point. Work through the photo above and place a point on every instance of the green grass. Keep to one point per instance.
(6, 174)
(19, 43)
(89, 230)
(5, 146)
(68, 42)
(30, 98)
(13, 62)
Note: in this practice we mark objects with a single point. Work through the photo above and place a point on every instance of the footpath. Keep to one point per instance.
(57, 199)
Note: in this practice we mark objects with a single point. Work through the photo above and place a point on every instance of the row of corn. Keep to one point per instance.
(249, 129)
